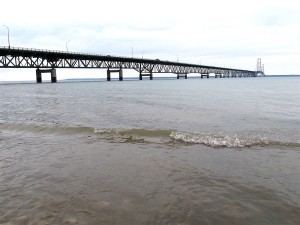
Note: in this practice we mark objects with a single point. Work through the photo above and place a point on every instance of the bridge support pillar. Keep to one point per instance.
(53, 75)
(120, 74)
(108, 75)
(218, 75)
(38, 76)
(204, 75)
(141, 75)
(120, 71)
(51, 71)
(182, 75)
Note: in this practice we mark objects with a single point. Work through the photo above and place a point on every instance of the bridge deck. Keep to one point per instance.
(36, 58)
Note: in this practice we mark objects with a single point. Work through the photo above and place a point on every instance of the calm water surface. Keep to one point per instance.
(195, 151)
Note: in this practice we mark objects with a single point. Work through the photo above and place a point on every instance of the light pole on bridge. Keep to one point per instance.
(7, 35)
(67, 45)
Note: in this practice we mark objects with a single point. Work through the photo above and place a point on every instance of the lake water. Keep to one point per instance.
(182, 152)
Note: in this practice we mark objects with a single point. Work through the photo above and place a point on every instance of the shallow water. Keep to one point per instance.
(217, 151)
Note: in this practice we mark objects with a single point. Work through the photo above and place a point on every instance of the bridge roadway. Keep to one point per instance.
(46, 61)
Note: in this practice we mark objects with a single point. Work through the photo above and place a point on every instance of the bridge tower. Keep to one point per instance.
(258, 65)
(259, 68)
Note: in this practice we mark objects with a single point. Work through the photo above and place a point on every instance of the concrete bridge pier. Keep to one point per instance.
(108, 75)
(51, 71)
(204, 75)
(38, 76)
(120, 71)
(150, 75)
(120, 74)
(218, 75)
(53, 75)
(182, 75)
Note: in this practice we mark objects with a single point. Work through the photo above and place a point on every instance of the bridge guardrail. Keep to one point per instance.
(62, 52)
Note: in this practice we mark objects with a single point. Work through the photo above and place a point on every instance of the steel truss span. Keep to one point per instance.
(45, 59)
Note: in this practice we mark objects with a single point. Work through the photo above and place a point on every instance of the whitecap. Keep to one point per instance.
(212, 140)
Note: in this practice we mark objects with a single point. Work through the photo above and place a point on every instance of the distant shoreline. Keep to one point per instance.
(129, 78)
(136, 78)
(291, 75)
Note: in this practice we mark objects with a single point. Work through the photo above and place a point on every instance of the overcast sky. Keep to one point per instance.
(230, 33)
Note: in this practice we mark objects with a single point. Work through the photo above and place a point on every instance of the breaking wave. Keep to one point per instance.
(204, 138)
(214, 140)
(134, 132)
(128, 135)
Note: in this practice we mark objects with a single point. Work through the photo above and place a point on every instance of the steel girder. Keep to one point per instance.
(31, 58)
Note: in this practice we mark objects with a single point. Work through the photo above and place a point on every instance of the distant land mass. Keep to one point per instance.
(289, 75)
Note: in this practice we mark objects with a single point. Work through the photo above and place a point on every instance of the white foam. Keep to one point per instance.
(210, 139)
(109, 130)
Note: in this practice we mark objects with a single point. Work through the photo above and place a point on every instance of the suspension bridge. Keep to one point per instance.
(47, 61)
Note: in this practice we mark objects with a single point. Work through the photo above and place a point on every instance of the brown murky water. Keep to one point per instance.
(58, 168)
